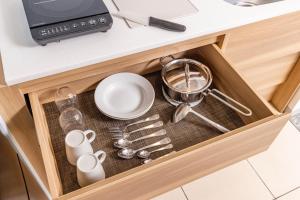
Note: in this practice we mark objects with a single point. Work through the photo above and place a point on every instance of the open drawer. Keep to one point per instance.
(146, 181)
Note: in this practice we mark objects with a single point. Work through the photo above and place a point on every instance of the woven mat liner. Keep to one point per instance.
(188, 132)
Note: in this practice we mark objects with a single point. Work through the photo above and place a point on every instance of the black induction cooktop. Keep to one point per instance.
(54, 20)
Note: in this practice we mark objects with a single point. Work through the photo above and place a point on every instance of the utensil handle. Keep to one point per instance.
(246, 4)
(187, 75)
(156, 134)
(155, 125)
(169, 146)
(233, 104)
(162, 60)
(148, 119)
(166, 25)
(212, 123)
(148, 160)
(166, 140)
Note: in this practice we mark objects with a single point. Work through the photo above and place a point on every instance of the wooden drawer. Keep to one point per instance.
(163, 174)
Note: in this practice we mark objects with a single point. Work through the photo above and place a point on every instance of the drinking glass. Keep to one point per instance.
(70, 117)
(65, 98)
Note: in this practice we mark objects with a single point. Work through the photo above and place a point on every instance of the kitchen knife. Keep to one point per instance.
(151, 21)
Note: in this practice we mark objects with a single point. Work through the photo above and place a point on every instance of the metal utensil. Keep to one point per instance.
(124, 129)
(146, 161)
(182, 84)
(124, 135)
(150, 21)
(149, 160)
(146, 154)
(250, 3)
(129, 153)
(184, 109)
(122, 143)
(187, 75)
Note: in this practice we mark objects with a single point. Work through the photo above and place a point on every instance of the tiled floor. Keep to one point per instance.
(274, 174)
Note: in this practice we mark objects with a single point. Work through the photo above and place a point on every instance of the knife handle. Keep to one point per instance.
(167, 25)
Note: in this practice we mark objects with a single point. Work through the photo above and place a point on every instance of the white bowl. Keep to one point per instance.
(124, 96)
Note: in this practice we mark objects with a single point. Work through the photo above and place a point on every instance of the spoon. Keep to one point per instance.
(146, 154)
(149, 160)
(123, 142)
(146, 161)
(128, 153)
(184, 109)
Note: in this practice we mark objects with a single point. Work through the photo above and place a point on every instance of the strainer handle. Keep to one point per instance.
(162, 60)
(233, 104)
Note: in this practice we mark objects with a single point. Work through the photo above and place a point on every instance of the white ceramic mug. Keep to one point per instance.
(89, 168)
(77, 144)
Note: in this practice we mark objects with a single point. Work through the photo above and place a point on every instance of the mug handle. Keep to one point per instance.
(102, 154)
(93, 137)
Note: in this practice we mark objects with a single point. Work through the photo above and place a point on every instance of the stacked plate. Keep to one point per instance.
(124, 96)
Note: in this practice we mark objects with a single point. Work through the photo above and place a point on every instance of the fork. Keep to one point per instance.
(125, 135)
(124, 129)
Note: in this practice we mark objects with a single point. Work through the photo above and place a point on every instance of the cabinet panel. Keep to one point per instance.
(33, 189)
(12, 185)
(288, 90)
(21, 131)
(265, 52)
(2, 80)
(266, 77)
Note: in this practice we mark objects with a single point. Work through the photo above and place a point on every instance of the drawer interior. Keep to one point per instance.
(188, 132)
(186, 136)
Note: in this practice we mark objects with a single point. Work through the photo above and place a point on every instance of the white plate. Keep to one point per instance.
(124, 96)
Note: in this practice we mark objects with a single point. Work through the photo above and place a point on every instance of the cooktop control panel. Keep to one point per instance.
(51, 21)
(78, 26)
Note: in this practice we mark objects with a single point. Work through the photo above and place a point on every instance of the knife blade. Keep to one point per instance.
(151, 21)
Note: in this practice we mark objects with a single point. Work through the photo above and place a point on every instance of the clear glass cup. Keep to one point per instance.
(71, 119)
(65, 98)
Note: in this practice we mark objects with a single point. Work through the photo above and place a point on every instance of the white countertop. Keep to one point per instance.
(23, 60)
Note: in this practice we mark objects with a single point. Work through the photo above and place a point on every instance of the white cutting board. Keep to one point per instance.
(164, 9)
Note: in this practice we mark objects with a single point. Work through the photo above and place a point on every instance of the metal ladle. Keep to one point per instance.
(184, 109)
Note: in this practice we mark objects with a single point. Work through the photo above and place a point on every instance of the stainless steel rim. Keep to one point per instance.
(189, 61)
